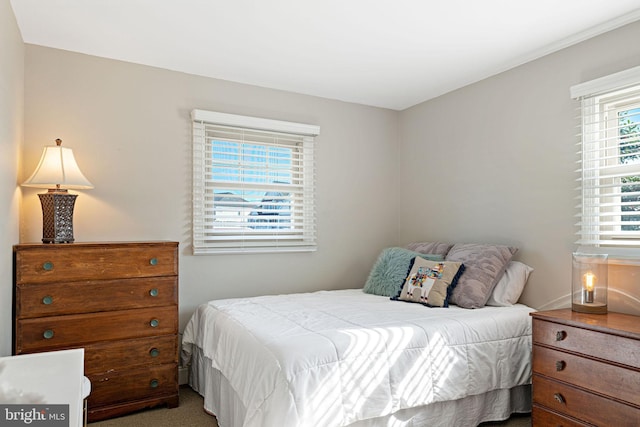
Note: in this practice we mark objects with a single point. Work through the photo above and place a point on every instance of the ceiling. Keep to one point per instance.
(383, 53)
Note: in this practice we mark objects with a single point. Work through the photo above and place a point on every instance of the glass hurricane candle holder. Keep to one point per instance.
(589, 283)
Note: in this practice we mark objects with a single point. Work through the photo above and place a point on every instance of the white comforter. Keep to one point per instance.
(331, 358)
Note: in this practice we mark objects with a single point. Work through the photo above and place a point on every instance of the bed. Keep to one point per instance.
(371, 357)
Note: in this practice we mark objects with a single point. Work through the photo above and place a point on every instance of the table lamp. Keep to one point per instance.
(57, 171)
(589, 283)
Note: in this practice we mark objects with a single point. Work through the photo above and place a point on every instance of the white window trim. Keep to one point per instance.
(200, 117)
(608, 83)
(254, 123)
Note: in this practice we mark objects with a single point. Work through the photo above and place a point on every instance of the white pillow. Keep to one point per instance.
(510, 286)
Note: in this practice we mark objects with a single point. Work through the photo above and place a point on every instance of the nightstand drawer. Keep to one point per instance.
(587, 342)
(49, 299)
(115, 387)
(540, 417)
(46, 264)
(578, 403)
(610, 380)
(78, 329)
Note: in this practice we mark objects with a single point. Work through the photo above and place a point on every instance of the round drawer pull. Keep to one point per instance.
(47, 300)
(153, 261)
(153, 292)
(154, 323)
(559, 398)
(47, 266)
(154, 383)
(561, 335)
(48, 334)
(560, 365)
(154, 352)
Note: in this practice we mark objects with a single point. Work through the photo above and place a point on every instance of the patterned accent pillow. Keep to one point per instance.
(436, 248)
(430, 282)
(390, 270)
(484, 266)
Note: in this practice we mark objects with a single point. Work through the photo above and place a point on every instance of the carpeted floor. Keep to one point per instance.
(190, 413)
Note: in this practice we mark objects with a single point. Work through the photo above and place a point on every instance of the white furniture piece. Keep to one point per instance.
(55, 377)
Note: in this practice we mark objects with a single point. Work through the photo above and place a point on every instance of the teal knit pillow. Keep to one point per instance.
(391, 269)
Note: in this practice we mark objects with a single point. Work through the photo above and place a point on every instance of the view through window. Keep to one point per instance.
(629, 148)
(253, 185)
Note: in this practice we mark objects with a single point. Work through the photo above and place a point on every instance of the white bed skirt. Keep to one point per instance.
(497, 405)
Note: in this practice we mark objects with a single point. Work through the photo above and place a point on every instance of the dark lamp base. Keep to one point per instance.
(57, 216)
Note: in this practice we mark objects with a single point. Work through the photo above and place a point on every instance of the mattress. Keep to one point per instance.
(337, 358)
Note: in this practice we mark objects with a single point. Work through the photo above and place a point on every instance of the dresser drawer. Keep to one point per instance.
(46, 264)
(587, 342)
(126, 354)
(48, 299)
(578, 403)
(79, 329)
(540, 417)
(114, 387)
(610, 380)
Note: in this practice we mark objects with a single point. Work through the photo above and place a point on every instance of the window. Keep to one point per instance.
(253, 184)
(610, 161)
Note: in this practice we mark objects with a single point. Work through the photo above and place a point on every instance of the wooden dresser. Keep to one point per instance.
(586, 369)
(118, 301)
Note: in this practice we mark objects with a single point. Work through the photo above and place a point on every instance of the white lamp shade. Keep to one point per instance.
(58, 167)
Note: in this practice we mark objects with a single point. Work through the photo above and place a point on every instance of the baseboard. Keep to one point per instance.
(183, 375)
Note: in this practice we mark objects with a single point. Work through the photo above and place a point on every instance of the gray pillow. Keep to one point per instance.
(484, 266)
(390, 269)
(435, 248)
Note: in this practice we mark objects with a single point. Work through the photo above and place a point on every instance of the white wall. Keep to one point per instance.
(491, 162)
(130, 129)
(11, 127)
(495, 162)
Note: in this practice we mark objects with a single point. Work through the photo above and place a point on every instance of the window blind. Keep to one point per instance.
(253, 187)
(609, 159)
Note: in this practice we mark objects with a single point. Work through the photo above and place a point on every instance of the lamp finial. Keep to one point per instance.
(58, 142)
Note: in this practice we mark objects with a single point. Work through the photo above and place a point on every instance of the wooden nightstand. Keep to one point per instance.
(118, 301)
(586, 369)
